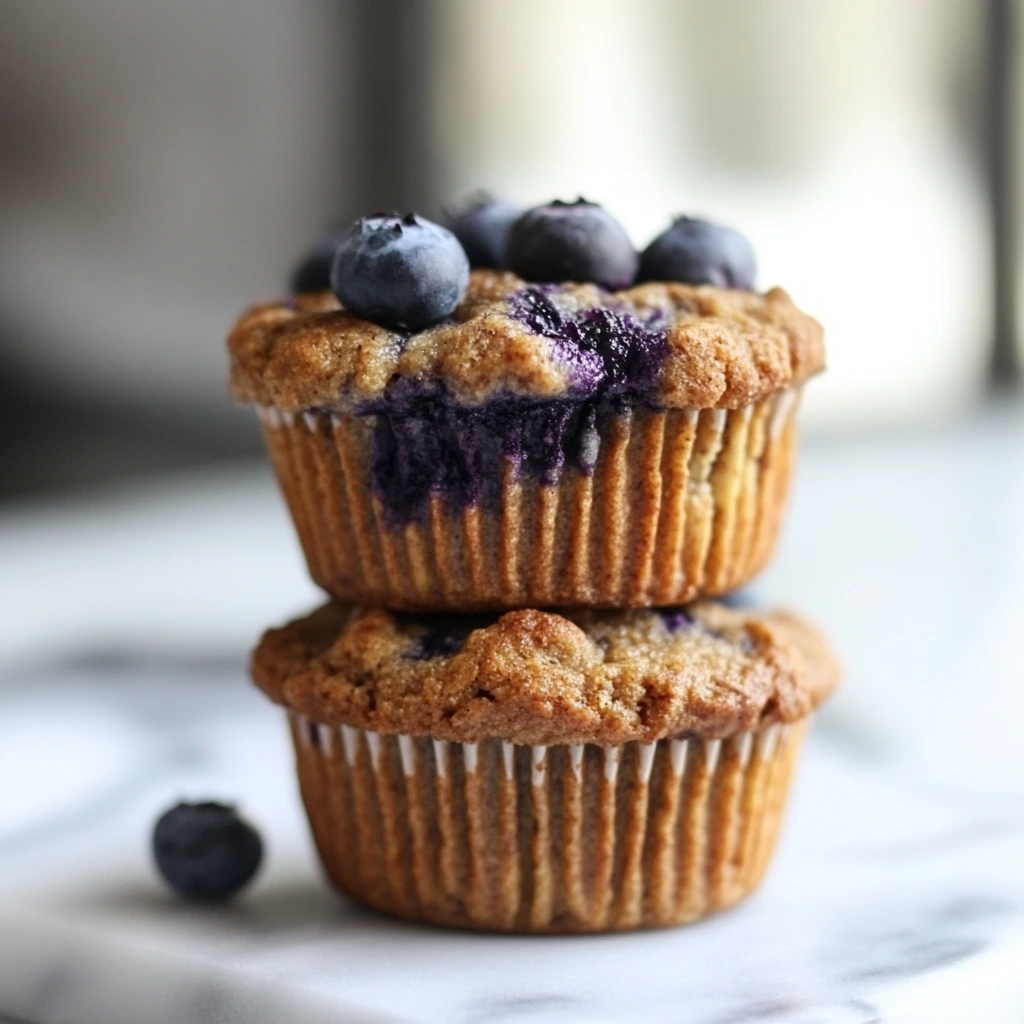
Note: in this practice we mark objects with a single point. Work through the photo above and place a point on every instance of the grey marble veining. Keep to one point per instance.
(897, 893)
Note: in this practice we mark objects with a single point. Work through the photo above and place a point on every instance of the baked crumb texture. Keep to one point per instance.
(533, 677)
(723, 349)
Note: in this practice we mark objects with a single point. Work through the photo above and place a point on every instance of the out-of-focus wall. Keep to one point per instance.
(162, 164)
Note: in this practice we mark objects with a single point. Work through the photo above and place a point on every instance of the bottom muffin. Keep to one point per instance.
(541, 771)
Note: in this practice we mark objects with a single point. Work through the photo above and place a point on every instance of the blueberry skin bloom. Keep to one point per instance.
(206, 851)
(699, 252)
(482, 225)
(404, 273)
(577, 241)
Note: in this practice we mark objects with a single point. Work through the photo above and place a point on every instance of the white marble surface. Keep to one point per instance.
(897, 895)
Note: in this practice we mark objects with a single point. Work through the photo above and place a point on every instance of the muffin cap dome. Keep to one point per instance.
(669, 345)
(537, 677)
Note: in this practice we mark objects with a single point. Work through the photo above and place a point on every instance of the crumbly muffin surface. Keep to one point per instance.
(667, 344)
(534, 677)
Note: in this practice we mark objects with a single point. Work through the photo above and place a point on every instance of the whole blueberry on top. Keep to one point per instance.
(313, 272)
(404, 273)
(577, 241)
(698, 252)
(206, 851)
(482, 225)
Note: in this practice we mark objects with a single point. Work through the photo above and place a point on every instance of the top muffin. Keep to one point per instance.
(522, 410)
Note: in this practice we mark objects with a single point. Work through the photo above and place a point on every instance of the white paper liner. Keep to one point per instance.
(681, 503)
(545, 838)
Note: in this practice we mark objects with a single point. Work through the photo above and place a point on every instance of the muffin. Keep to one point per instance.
(545, 446)
(576, 771)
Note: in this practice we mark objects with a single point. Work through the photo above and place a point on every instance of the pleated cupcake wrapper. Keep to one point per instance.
(681, 503)
(545, 838)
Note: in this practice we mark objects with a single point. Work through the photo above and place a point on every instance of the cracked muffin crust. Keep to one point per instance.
(677, 346)
(534, 677)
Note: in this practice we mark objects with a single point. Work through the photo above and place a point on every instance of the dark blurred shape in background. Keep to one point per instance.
(162, 165)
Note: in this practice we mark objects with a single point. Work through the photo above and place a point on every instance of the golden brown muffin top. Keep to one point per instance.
(535, 677)
(669, 344)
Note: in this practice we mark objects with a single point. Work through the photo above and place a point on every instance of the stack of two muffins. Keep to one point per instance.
(465, 756)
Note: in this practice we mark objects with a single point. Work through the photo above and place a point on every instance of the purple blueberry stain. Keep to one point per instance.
(427, 444)
(607, 350)
(535, 307)
(443, 635)
(676, 619)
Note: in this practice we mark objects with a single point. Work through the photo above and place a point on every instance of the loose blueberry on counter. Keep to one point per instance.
(698, 252)
(404, 273)
(206, 851)
(577, 241)
(313, 271)
(482, 225)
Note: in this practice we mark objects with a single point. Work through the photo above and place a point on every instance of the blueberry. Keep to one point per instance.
(206, 851)
(699, 252)
(404, 273)
(313, 272)
(482, 225)
(676, 619)
(571, 242)
(444, 635)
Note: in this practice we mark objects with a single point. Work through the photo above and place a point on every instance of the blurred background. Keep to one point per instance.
(162, 165)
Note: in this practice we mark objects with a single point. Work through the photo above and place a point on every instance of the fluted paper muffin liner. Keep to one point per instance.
(681, 504)
(576, 838)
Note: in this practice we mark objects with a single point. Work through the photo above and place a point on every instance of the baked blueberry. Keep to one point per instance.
(676, 619)
(446, 635)
(206, 851)
(482, 225)
(313, 272)
(699, 252)
(404, 273)
(577, 241)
